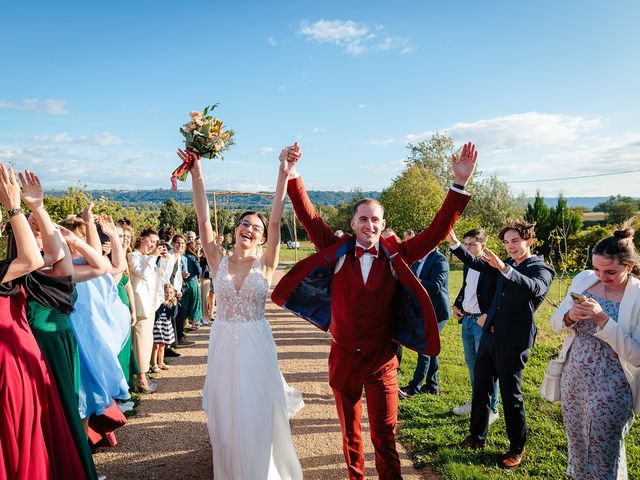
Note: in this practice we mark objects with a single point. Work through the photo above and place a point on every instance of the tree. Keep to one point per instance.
(172, 214)
(434, 155)
(492, 203)
(412, 200)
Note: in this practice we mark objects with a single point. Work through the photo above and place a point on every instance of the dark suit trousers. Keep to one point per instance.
(505, 363)
(376, 373)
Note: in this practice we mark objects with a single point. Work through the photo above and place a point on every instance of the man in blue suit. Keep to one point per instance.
(433, 272)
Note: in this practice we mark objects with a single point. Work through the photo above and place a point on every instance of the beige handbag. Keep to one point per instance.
(550, 388)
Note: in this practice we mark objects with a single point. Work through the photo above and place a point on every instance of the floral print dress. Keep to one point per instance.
(596, 404)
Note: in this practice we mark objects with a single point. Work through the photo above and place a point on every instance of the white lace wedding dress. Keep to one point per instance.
(244, 391)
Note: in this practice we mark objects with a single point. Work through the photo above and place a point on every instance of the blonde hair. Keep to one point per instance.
(173, 301)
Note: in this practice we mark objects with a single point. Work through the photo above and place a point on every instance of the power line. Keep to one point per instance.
(573, 178)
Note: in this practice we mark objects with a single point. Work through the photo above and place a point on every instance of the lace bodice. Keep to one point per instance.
(246, 304)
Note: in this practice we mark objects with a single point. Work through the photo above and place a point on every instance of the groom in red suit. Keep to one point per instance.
(362, 288)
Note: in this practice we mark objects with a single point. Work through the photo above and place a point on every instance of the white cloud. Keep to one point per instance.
(362, 106)
(319, 130)
(392, 167)
(272, 41)
(381, 141)
(354, 38)
(505, 133)
(50, 106)
(265, 150)
(103, 139)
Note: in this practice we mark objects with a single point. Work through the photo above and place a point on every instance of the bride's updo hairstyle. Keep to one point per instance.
(263, 220)
(620, 246)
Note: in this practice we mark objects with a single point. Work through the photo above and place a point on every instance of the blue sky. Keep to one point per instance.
(96, 93)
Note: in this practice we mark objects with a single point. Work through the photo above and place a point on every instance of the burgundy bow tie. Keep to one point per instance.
(361, 251)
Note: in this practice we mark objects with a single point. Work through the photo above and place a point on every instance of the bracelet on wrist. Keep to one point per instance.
(14, 211)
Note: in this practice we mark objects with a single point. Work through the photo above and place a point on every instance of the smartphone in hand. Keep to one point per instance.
(577, 298)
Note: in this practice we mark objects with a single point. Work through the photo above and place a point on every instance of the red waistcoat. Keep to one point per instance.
(360, 314)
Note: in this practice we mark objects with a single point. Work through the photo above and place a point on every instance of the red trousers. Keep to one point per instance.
(377, 374)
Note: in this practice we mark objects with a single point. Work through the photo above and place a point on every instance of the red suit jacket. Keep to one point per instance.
(365, 317)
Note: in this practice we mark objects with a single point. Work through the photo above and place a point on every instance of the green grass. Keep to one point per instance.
(430, 429)
(287, 254)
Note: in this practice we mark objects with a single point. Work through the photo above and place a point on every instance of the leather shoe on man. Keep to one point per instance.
(470, 442)
(168, 352)
(511, 460)
(184, 342)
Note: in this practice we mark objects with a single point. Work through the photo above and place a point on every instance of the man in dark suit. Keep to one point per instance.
(508, 334)
(362, 286)
(471, 306)
(433, 272)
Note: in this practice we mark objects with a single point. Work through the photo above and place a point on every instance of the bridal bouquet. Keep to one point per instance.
(203, 135)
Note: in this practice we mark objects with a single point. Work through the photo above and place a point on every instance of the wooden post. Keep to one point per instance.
(215, 215)
(295, 237)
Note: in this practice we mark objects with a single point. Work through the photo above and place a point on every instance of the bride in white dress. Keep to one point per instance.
(247, 401)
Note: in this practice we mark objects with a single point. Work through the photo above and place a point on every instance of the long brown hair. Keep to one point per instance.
(620, 246)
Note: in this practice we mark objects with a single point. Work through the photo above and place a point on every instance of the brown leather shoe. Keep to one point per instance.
(511, 460)
(470, 442)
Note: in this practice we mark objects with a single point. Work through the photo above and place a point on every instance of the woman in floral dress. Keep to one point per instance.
(600, 389)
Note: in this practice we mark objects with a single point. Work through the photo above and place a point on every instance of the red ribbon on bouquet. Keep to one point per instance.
(182, 172)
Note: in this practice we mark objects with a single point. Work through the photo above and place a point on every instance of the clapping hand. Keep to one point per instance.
(289, 157)
(9, 189)
(452, 239)
(87, 214)
(107, 226)
(464, 165)
(32, 193)
(493, 259)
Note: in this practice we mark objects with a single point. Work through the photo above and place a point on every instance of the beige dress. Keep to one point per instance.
(146, 278)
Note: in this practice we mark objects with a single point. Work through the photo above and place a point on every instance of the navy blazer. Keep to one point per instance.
(486, 282)
(515, 301)
(434, 277)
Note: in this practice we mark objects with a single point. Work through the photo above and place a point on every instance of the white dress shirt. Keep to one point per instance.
(366, 260)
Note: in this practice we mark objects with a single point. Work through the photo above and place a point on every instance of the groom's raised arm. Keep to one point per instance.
(463, 166)
(319, 232)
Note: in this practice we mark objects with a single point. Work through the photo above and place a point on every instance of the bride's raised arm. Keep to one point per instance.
(288, 157)
(201, 204)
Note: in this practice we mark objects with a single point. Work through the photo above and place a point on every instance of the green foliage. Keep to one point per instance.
(432, 432)
(76, 199)
(554, 228)
(172, 214)
(492, 202)
(412, 200)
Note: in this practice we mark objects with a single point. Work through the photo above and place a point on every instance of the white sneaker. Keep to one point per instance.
(463, 409)
(125, 406)
(493, 417)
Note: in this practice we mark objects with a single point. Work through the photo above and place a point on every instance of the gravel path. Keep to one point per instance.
(168, 438)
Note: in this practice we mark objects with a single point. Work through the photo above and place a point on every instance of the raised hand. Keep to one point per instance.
(32, 193)
(107, 226)
(9, 189)
(289, 157)
(493, 259)
(452, 239)
(186, 155)
(87, 214)
(70, 237)
(464, 165)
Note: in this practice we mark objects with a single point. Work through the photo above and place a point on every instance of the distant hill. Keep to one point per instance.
(159, 196)
(250, 201)
(586, 202)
